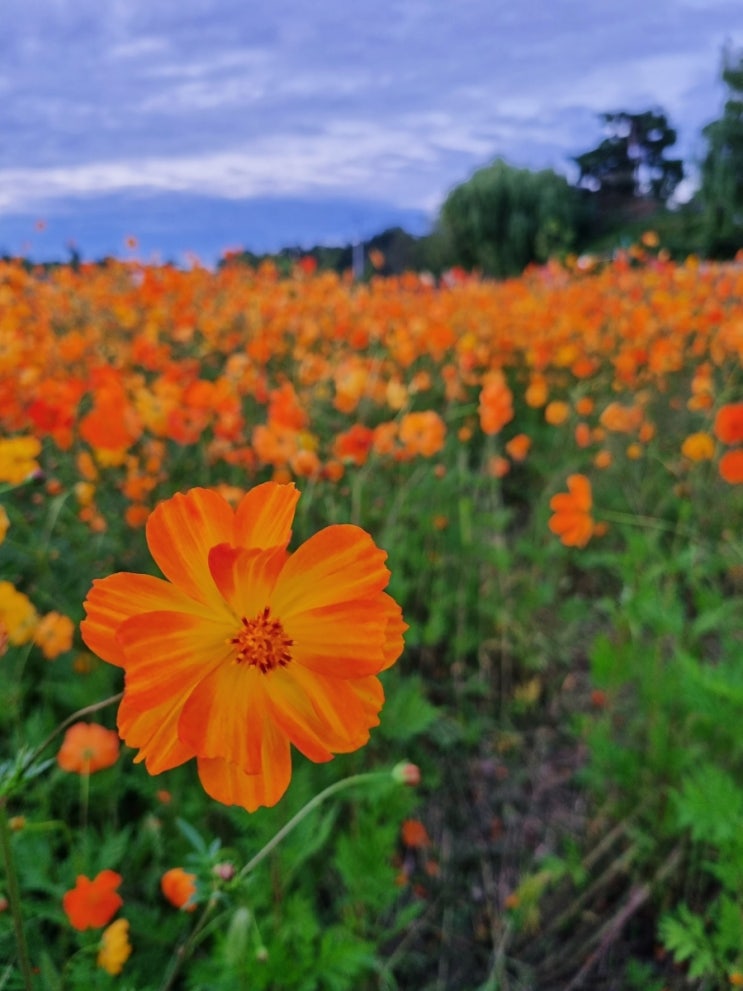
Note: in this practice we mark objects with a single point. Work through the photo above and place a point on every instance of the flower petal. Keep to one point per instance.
(265, 515)
(322, 716)
(337, 564)
(580, 488)
(245, 578)
(393, 635)
(154, 733)
(346, 640)
(180, 533)
(116, 598)
(168, 653)
(225, 716)
(563, 502)
(226, 783)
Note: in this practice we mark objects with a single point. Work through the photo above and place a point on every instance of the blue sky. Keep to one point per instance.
(198, 125)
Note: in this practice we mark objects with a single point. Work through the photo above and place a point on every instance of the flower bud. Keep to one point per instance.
(406, 773)
(224, 871)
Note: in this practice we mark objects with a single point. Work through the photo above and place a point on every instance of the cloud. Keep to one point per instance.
(398, 100)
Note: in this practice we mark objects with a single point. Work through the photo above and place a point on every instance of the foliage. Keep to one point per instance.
(630, 162)
(503, 219)
(721, 192)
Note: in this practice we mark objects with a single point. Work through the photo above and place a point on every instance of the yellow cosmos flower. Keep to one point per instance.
(246, 648)
(18, 458)
(17, 614)
(115, 947)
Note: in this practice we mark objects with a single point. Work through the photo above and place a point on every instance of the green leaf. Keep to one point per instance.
(685, 936)
(192, 835)
(407, 712)
(114, 847)
(50, 977)
(710, 806)
(342, 960)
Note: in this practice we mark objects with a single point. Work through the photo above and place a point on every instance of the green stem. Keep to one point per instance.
(182, 953)
(14, 898)
(649, 522)
(84, 805)
(305, 811)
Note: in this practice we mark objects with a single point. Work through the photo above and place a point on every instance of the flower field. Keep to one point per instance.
(371, 635)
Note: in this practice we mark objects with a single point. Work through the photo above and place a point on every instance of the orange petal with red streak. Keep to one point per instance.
(265, 515)
(115, 599)
(180, 533)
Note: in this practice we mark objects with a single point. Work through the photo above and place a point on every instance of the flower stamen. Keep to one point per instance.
(262, 643)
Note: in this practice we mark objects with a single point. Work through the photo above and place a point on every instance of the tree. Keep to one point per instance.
(721, 191)
(630, 163)
(504, 218)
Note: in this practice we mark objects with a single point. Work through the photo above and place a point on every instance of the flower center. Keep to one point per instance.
(262, 643)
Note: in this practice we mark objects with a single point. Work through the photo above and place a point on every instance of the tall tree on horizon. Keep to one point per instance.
(504, 218)
(721, 190)
(630, 162)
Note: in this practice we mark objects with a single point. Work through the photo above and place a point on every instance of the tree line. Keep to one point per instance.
(504, 218)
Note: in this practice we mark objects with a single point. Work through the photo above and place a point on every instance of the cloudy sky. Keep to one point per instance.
(205, 124)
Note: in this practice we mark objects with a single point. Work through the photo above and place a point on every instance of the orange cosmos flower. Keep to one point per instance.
(729, 423)
(518, 447)
(179, 887)
(731, 467)
(582, 434)
(246, 648)
(414, 833)
(496, 403)
(498, 466)
(556, 412)
(699, 446)
(585, 406)
(621, 419)
(572, 520)
(536, 392)
(422, 433)
(54, 634)
(87, 748)
(91, 904)
(354, 444)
